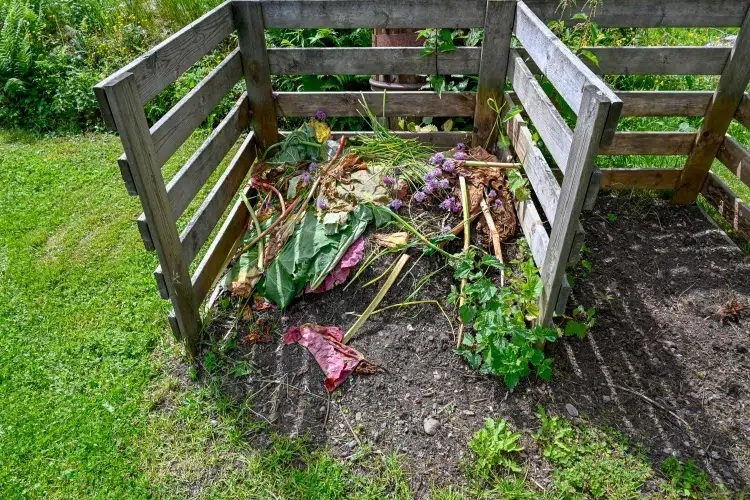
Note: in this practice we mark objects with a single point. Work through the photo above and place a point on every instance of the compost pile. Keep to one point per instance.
(322, 211)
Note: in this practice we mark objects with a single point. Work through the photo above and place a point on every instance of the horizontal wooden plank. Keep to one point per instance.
(372, 60)
(658, 60)
(728, 204)
(294, 104)
(743, 111)
(540, 176)
(650, 143)
(186, 183)
(172, 129)
(222, 247)
(651, 13)
(567, 73)
(656, 179)
(380, 14)
(163, 64)
(551, 126)
(665, 103)
(736, 158)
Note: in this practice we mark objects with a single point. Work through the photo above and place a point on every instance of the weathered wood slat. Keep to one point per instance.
(533, 230)
(552, 128)
(728, 204)
(163, 64)
(565, 70)
(736, 158)
(658, 60)
(365, 14)
(498, 31)
(296, 104)
(729, 93)
(651, 13)
(127, 177)
(127, 111)
(248, 17)
(639, 178)
(222, 247)
(372, 60)
(593, 190)
(186, 183)
(650, 143)
(743, 111)
(592, 121)
(537, 170)
(665, 103)
(171, 131)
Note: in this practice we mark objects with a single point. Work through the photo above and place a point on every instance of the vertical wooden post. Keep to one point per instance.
(592, 120)
(498, 30)
(248, 18)
(726, 100)
(127, 112)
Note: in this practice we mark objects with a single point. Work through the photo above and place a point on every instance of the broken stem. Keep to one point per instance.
(467, 244)
(275, 223)
(495, 236)
(378, 298)
(256, 223)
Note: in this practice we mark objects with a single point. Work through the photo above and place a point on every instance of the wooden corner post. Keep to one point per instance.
(127, 112)
(248, 19)
(498, 29)
(729, 93)
(593, 119)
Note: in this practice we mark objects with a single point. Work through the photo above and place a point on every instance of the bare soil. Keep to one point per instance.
(658, 366)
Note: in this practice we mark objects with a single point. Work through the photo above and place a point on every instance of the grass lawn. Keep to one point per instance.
(98, 402)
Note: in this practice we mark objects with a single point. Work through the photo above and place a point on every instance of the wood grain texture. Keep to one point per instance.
(639, 178)
(543, 182)
(728, 204)
(127, 111)
(567, 73)
(658, 60)
(743, 111)
(368, 14)
(127, 177)
(661, 103)
(592, 192)
(163, 64)
(533, 230)
(221, 249)
(172, 129)
(306, 104)
(551, 126)
(372, 60)
(729, 92)
(248, 16)
(736, 158)
(590, 127)
(498, 31)
(650, 143)
(651, 13)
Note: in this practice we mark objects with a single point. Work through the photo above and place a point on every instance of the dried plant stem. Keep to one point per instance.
(495, 236)
(416, 303)
(256, 223)
(378, 298)
(467, 244)
(472, 163)
(387, 270)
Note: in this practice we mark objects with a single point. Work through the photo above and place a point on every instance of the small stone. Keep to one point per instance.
(701, 453)
(572, 410)
(715, 455)
(469, 413)
(606, 399)
(431, 338)
(409, 328)
(436, 375)
(351, 444)
(431, 426)
(358, 416)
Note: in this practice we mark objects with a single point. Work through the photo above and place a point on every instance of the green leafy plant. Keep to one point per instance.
(686, 479)
(582, 321)
(495, 446)
(502, 342)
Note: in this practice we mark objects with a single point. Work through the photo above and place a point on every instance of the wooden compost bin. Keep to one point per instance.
(123, 95)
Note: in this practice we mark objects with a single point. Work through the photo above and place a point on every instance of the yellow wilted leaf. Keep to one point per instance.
(448, 125)
(392, 240)
(322, 130)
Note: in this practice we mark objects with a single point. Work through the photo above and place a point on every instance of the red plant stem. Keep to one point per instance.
(275, 223)
(265, 185)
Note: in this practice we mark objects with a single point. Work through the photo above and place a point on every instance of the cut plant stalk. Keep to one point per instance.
(495, 237)
(378, 298)
(467, 244)
(256, 223)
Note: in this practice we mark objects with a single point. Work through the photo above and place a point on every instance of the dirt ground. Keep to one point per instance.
(658, 366)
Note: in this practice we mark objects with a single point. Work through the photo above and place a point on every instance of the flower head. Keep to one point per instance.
(449, 166)
(460, 146)
(267, 205)
(275, 94)
(305, 177)
(388, 180)
(322, 203)
(396, 172)
(438, 172)
(447, 204)
(427, 189)
(420, 196)
(444, 184)
(460, 156)
(456, 206)
(498, 203)
(320, 115)
(312, 167)
(433, 184)
(492, 194)
(396, 204)
(437, 158)
(429, 176)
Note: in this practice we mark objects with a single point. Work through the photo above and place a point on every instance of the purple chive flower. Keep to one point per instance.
(456, 206)
(460, 156)
(498, 203)
(312, 167)
(460, 146)
(447, 203)
(433, 184)
(388, 180)
(322, 203)
(267, 205)
(492, 194)
(320, 115)
(449, 166)
(444, 184)
(428, 176)
(420, 196)
(396, 172)
(396, 204)
(437, 158)
(438, 172)
(427, 189)
(275, 94)
(305, 177)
